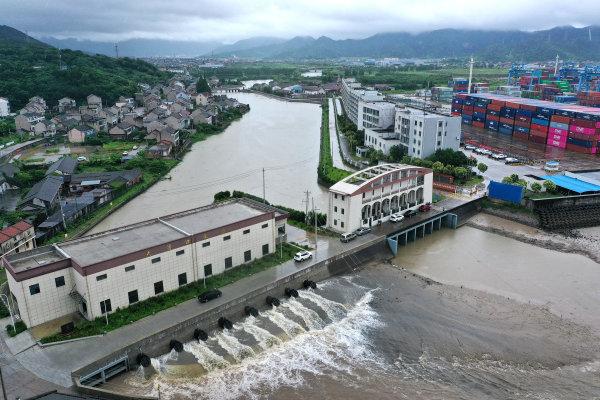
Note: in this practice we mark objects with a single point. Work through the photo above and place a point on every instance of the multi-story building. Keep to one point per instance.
(381, 139)
(4, 107)
(352, 94)
(97, 274)
(421, 133)
(17, 238)
(376, 115)
(370, 196)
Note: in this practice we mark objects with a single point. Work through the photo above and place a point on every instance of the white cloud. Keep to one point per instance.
(230, 20)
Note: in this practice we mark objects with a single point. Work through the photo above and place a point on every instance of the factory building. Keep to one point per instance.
(97, 274)
(371, 195)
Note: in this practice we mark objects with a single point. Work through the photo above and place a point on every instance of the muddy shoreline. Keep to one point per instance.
(575, 242)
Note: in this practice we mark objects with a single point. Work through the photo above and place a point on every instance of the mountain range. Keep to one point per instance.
(569, 42)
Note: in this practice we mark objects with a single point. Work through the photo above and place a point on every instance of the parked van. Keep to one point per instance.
(346, 237)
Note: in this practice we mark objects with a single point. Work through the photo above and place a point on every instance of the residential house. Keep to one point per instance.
(121, 131)
(89, 181)
(201, 116)
(65, 104)
(43, 195)
(70, 210)
(7, 171)
(111, 117)
(149, 118)
(94, 102)
(25, 122)
(163, 134)
(80, 133)
(95, 121)
(176, 122)
(65, 122)
(160, 150)
(64, 166)
(202, 99)
(45, 127)
(4, 107)
(16, 238)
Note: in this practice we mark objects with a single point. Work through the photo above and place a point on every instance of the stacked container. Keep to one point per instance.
(459, 85)
(589, 99)
(572, 127)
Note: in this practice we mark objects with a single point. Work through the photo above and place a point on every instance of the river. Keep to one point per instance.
(280, 136)
(386, 333)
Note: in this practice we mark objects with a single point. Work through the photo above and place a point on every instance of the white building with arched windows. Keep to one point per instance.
(371, 195)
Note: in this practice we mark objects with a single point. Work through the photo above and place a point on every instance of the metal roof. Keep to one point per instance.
(572, 184)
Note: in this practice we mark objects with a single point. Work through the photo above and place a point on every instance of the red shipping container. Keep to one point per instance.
(509, 121)
(560, 119)
(539, 128)
(579, 149)
(478, 124)
(468, 108)
(479, 109)
(495, 107)
(489, 117)
(584, 123)
(524, 124)
(537, 139)
(528, 107)
(454, 114)
(583, 136)
(513, 105)
(538, 134)
(467, 112)
(497, 103)
(520, 136)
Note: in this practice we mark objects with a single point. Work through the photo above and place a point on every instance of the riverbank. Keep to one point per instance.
(274, 96)
(585, 242)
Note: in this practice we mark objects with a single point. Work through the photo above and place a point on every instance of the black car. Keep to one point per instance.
(209, 295)
(410, 213)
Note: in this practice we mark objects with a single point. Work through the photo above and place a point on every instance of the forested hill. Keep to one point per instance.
(29, 68)
(568, 42)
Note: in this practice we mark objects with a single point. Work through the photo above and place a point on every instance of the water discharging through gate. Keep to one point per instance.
(310, 333)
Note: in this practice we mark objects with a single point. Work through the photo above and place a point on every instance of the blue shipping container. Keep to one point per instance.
(478, 114)
(521, 129)
(539, 121)
(559, 125)
(581, 143)
(524, 113)
(506, 131)
(493, 112)
(478, 119)
(545, 111)
(506, 192)
(466, 119)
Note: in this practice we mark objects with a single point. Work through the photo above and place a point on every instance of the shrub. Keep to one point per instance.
(18, 328)
(536, 187)
(482, 167)
(550, 186)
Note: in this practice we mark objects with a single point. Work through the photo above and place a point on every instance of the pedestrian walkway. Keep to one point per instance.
(333, 139)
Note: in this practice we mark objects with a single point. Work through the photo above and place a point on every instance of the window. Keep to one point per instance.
(335, 195)
(101, 277)
(129, 268)
(265, 226)
(205, 244)
(335, 222)
(226, 237)
(133, 296)
(182, 279)
(180, 252)
(34, 289)
(105, 306)
(343, 197)
(155, 260)
(334, 208)
(247, 255)
(439, 143)
(342, 224)
(343, 209)
(228, 262)
(265, 249)
(59, 281)
(208, 270)
(247, 231)
(364, 195)
(158, 287)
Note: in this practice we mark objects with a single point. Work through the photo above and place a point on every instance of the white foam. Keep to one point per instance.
(291, 328)
(205, 356)
(263, 337)
(232, 345)
(310, 317)
(335, 311)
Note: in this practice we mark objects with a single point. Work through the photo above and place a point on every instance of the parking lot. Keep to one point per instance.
(533, 153)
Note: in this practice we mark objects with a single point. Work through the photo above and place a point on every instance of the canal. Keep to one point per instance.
(280, 136)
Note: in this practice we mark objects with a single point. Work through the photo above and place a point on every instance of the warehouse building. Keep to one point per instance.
(371, 195)
(97, 274)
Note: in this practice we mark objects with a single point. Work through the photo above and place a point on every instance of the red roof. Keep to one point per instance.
(13, 230)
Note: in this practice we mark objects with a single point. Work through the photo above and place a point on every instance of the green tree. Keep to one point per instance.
(460, 173)
(448, 169)
(550, 186)
(202, 85)
(482, 167)
(536, 187)
(221, 196)
(438, 167)
(396, 153)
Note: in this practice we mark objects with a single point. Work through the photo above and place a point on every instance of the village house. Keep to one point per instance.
(43, 196)
(65, 104)
(64, 166)
(160, 150)
(95, 121)
(7, 171)
(45, 127)
(201, 116)
(94, 102)
(16, 238)
(80, 133)
(121, 131)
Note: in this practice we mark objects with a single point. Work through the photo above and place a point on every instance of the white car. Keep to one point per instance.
(486, 152)
(135, 147)
(396, 217)
(81, 158)
(511, 160)
(302, 256)
(125, 153)
(470, 147)
(498, 156)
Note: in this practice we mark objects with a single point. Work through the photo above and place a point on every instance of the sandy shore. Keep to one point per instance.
(580, 241)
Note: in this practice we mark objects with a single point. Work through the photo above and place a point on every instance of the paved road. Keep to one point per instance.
(333, 139)
(345, 145)
(51, 366)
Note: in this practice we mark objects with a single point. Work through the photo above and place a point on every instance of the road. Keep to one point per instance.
(333, 139)
(497, 169)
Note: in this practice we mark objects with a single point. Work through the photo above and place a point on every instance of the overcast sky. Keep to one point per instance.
(230, 20)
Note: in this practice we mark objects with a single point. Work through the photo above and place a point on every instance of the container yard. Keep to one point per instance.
(572, 127)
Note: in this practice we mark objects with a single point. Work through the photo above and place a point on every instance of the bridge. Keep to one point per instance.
(421, 228)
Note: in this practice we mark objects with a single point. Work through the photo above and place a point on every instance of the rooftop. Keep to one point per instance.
(354, 182)
(573, 184)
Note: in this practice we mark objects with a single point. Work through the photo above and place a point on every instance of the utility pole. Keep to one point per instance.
(116, 50)
(62, 214)
(306, 202)
(316, 235)
(556, 66)
(264, 198)
(470, 75)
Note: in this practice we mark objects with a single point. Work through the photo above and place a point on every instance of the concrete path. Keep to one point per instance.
(333, 139)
